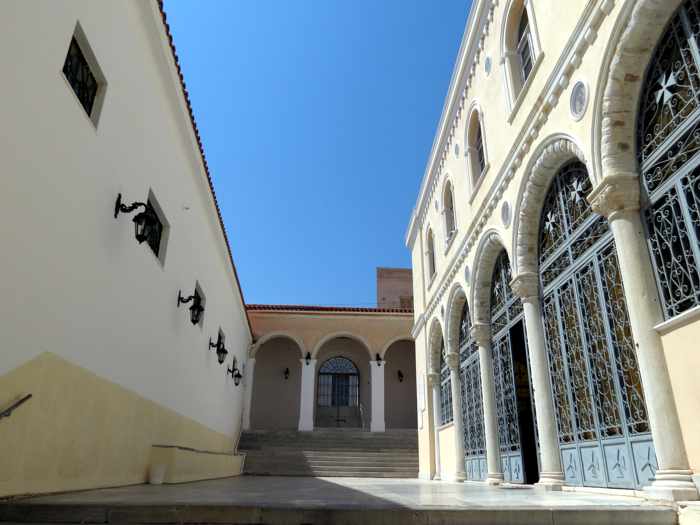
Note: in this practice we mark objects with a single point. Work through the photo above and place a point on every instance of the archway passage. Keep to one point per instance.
(400, 405)
(604, 434)
(511, 369)
(338, 394)
(276, 386)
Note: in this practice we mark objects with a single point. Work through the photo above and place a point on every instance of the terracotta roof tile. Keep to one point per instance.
(312, 308)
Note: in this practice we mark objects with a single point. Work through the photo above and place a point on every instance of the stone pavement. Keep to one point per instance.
(251, 499)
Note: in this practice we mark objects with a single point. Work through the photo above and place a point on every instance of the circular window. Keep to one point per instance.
(579, 100)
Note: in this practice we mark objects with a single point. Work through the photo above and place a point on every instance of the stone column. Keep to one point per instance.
(527, 286)
(248, 391)
(482, 335)
(377, 377)
(452, 360)
(434, 383)
(617, 198)
(306, 406)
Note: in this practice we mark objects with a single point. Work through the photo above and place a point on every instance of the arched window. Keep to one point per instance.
(597, 389)
(472, 407)
(431, 254)
(521, 48)
(475, 147)
(668, 130)
(445, 389)
(449, 211)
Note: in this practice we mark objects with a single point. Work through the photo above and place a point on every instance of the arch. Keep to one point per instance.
(490, 247)
(511, 28)
(455, 304)
(434, 342)
(274, 335)
(477, 154)
(638, 29)
(396, 339)
(336, 335)
(400, 396)
(448, 209)
(544, 165)
(430, 253)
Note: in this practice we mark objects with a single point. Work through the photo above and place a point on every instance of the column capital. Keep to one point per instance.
(615, 193)
(526, 285)
(481, 332)
(452, 360)
(433, 379)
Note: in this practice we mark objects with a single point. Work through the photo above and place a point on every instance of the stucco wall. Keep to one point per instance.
(447, 448)
(400, 396)
(82, 288)
(275, 401)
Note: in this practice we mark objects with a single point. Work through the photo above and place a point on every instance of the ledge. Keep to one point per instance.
(175, 464)
(478, 184)
(450, 241)
(679, 321)
(524, 89)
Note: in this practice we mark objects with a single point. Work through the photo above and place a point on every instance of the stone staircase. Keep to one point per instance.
(331, 453)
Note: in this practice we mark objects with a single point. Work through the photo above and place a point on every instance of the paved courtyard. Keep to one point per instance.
(250, 499)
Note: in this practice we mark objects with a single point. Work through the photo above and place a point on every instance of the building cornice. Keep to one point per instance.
(569, 61)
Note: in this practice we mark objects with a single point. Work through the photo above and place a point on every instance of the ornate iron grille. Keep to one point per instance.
(479, 147)
(524, 47)
(445, 389)
(472, 407)
(79, 76)
(155, 234)
(600, 409)
(506, 313)
(338, 383)
(669, 156)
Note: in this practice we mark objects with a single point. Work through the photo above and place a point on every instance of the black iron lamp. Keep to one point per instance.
(221, 351)
(144, 221)
(235, 373)
(196, 309)
(286, 373)
(400, 374)
(379, 360)
(308, 358)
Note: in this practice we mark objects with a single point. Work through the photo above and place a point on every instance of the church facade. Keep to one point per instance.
(555, 251)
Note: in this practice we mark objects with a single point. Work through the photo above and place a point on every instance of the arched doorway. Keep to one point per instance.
(400, 385)
(338, 399)
(604, 433)
(276, 394)
(511, 369)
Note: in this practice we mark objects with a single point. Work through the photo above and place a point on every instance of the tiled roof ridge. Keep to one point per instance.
(316, 308)
(186, 95)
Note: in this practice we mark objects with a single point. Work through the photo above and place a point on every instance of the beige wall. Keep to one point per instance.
(275, 401)
(448, 463)
(394, 288)
(84, 291)
(400, 396)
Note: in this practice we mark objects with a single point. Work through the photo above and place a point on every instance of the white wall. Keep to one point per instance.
(73, 280)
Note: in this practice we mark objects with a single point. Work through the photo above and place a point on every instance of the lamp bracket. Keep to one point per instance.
(182, 300)
(123, 208)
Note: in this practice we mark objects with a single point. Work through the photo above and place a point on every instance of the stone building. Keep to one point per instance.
(555, 251)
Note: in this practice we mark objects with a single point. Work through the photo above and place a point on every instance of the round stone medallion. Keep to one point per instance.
(467, 273)
(579, 100)
(505, 214)
(487, 65)
(456, 150)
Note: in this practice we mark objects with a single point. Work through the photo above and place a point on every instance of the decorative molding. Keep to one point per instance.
(433, 379)
(569, 62)
(452, 360)
(418, 326)
(526, 286)
(615, 194)
(481, 332)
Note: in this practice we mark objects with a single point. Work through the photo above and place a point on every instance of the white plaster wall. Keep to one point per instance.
(72, 278)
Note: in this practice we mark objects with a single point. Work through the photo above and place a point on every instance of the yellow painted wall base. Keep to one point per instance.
(170, 464)
(447, 452)
(81, 431)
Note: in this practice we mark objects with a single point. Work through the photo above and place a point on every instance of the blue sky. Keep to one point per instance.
(317, 118)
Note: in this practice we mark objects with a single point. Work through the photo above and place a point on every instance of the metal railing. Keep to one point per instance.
(362, 416)
(14, 406)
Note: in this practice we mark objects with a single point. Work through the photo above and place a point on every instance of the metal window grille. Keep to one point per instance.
(479, 147)
(445, 389)
(338, 383)
(524, 48)
(449, 213)
(80, 77)
(600, 410)
(669, 147)
(431, 254)
(155, 234)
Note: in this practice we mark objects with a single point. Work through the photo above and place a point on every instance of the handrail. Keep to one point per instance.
(362, 416)
(8, 411)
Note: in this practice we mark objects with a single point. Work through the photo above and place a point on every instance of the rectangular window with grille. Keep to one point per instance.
(84, 75)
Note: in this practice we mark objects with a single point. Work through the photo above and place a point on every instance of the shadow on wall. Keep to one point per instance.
(276, 395)
(400, 405)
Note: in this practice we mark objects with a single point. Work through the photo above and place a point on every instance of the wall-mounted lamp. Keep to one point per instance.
(235, 373)
(144, 221)
(196, 309)
(379, 360)
(308, 358)
(400, 374)
(221, 351)
(286, 373)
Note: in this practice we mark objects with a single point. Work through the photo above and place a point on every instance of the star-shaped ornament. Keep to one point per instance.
(666, 82)
(576, 192)
(549, 222)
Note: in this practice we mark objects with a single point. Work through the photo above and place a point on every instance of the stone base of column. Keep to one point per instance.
(550, 481)
(377, 426)
(460, 476)
(494, 478)
(673, 485)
